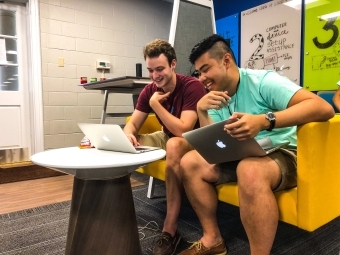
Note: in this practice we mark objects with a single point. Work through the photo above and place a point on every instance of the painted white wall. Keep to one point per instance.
(81, 32)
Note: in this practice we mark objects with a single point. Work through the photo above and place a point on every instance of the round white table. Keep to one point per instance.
(102, 217)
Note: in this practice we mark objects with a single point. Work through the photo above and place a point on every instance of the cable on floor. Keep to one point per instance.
(155, 228)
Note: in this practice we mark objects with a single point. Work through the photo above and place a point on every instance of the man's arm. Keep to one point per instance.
(212, 100)
(176, 126)
(303, 107)
(336, 99)
(133, 126)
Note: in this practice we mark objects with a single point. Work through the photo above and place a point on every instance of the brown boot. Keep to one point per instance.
(166, 244)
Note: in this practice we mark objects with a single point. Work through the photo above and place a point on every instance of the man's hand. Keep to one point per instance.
(158, 97)
(133, 139)
(245, 126)
(213, 100)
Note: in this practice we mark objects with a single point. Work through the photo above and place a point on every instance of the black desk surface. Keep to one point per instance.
(125, 82)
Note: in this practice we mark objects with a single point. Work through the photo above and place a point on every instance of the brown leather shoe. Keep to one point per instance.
(166, 244)
(197, 248)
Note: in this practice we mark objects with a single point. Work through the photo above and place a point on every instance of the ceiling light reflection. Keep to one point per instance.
(330, 15)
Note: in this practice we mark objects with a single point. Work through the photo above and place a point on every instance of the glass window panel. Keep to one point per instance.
(11, 50)
(9, 78)
(9, 73)
(7, 23)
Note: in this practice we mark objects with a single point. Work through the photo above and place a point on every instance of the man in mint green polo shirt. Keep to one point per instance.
(263, 105)
(255, 88)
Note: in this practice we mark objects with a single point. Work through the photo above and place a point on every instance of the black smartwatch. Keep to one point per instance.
(272, 119)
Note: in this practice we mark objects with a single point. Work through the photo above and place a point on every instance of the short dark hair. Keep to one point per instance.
(215, 44)
(157, 47)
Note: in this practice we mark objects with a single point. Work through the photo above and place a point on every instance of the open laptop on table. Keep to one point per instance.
(111, 137)
(216, 146)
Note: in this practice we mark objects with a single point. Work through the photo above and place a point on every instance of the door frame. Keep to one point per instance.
(35, 77)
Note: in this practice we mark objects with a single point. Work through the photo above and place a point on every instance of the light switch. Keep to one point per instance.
(60, 62)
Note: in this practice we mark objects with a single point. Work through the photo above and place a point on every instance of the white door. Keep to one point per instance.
(15, 131)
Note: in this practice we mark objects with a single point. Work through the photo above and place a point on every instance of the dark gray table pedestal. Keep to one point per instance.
(102, 218)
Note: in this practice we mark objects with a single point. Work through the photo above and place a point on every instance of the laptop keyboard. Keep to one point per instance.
(145, 148)
(141, 149)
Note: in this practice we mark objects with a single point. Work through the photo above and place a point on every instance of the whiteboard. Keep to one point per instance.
(271, 38)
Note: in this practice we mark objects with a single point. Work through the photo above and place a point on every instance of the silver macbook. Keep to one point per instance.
(216, 146)
(110, 137)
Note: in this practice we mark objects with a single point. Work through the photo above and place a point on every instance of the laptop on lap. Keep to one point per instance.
(217, 146)
(111, 137)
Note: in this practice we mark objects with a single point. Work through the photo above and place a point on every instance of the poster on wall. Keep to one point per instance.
(228, 27)
(322, 45)
(271, 38)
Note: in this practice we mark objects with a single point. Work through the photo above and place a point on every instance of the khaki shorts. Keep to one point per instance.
(286, 159)
(156, 139)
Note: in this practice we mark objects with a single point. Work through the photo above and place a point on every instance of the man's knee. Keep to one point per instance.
(246, 170)
(177, 146)
(256, 175)
(189, 163)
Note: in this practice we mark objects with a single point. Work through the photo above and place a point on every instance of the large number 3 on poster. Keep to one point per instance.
(329, 25)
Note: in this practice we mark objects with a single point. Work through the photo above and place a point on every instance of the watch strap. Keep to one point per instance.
(271, 120)
(272, 125)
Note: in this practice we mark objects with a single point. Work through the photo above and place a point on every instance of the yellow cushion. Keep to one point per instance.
(155, 169)
(318, 164)
(150, 125)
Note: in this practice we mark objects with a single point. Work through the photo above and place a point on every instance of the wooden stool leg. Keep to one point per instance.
(102, 218)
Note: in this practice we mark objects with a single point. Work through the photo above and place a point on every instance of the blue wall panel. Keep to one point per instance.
(225, 8)
(229, 28)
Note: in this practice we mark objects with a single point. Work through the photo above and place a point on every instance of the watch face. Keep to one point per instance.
(271, 116)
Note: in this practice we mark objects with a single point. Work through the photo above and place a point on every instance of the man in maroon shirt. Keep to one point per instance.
(173, 98)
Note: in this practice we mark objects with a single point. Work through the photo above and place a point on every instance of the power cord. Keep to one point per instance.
(152, 228)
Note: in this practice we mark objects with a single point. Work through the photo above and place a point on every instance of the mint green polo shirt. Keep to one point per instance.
(259, 92)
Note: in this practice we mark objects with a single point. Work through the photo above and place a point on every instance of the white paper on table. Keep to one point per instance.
(3, 58)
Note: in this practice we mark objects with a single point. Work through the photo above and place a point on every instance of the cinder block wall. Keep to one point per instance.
(79, 32)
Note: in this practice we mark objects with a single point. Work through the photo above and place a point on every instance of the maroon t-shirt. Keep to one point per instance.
(187, 93)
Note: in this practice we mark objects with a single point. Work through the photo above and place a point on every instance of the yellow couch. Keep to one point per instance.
(316, 199)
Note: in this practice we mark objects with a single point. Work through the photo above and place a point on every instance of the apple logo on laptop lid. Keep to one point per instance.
(220, 144)
(106, 139)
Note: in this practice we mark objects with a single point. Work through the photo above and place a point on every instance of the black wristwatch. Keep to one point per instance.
(272, 119)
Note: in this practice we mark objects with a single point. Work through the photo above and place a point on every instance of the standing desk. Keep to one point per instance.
(102, 216)
(126, 84)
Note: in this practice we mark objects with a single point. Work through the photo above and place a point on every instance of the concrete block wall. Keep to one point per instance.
(80, 32)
